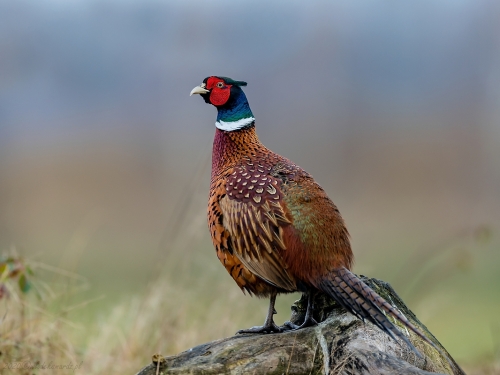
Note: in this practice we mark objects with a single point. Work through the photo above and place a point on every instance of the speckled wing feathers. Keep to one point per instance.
(254, 216)
(245, 279)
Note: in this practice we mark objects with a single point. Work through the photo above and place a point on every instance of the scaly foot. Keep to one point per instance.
(308, 322)
(269, 325)
(266, 328)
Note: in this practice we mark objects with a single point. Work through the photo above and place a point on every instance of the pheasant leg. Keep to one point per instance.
(269, 325)
(309, 320)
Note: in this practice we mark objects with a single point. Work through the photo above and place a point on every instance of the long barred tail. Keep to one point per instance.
(360, 300)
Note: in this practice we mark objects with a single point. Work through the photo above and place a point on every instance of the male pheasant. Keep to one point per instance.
(273, 227)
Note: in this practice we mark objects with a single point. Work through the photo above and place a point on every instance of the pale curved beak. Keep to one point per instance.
(199, 90)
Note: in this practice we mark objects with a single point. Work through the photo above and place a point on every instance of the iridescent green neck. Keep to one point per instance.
(235, 114)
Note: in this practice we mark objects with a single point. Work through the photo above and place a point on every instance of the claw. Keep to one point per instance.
(289, 326)
(271, 328)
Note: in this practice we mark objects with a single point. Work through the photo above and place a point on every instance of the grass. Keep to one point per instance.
(54, 329)
(48, 331)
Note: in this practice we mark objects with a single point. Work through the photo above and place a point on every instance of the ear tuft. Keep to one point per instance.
(231, 81)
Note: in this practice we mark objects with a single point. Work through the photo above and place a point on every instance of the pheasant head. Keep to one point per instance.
(233, 111)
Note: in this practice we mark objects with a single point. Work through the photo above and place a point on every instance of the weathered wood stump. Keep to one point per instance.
(340, 344)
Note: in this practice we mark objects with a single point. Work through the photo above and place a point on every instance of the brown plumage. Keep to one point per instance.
(273, 227)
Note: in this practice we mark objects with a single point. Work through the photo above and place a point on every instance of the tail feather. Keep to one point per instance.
(360, 300)
(367, 309)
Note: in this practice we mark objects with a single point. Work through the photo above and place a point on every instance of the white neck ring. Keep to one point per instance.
(229, 126)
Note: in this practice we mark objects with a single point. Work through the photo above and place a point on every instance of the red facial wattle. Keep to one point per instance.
(218, 95)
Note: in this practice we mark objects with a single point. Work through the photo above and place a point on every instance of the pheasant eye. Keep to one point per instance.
(220, 85)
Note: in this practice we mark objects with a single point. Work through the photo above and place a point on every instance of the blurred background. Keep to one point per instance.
(394, 108)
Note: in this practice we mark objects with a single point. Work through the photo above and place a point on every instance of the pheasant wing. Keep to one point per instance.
(254, 214)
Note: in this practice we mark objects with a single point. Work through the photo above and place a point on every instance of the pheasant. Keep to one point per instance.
(274, 228)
